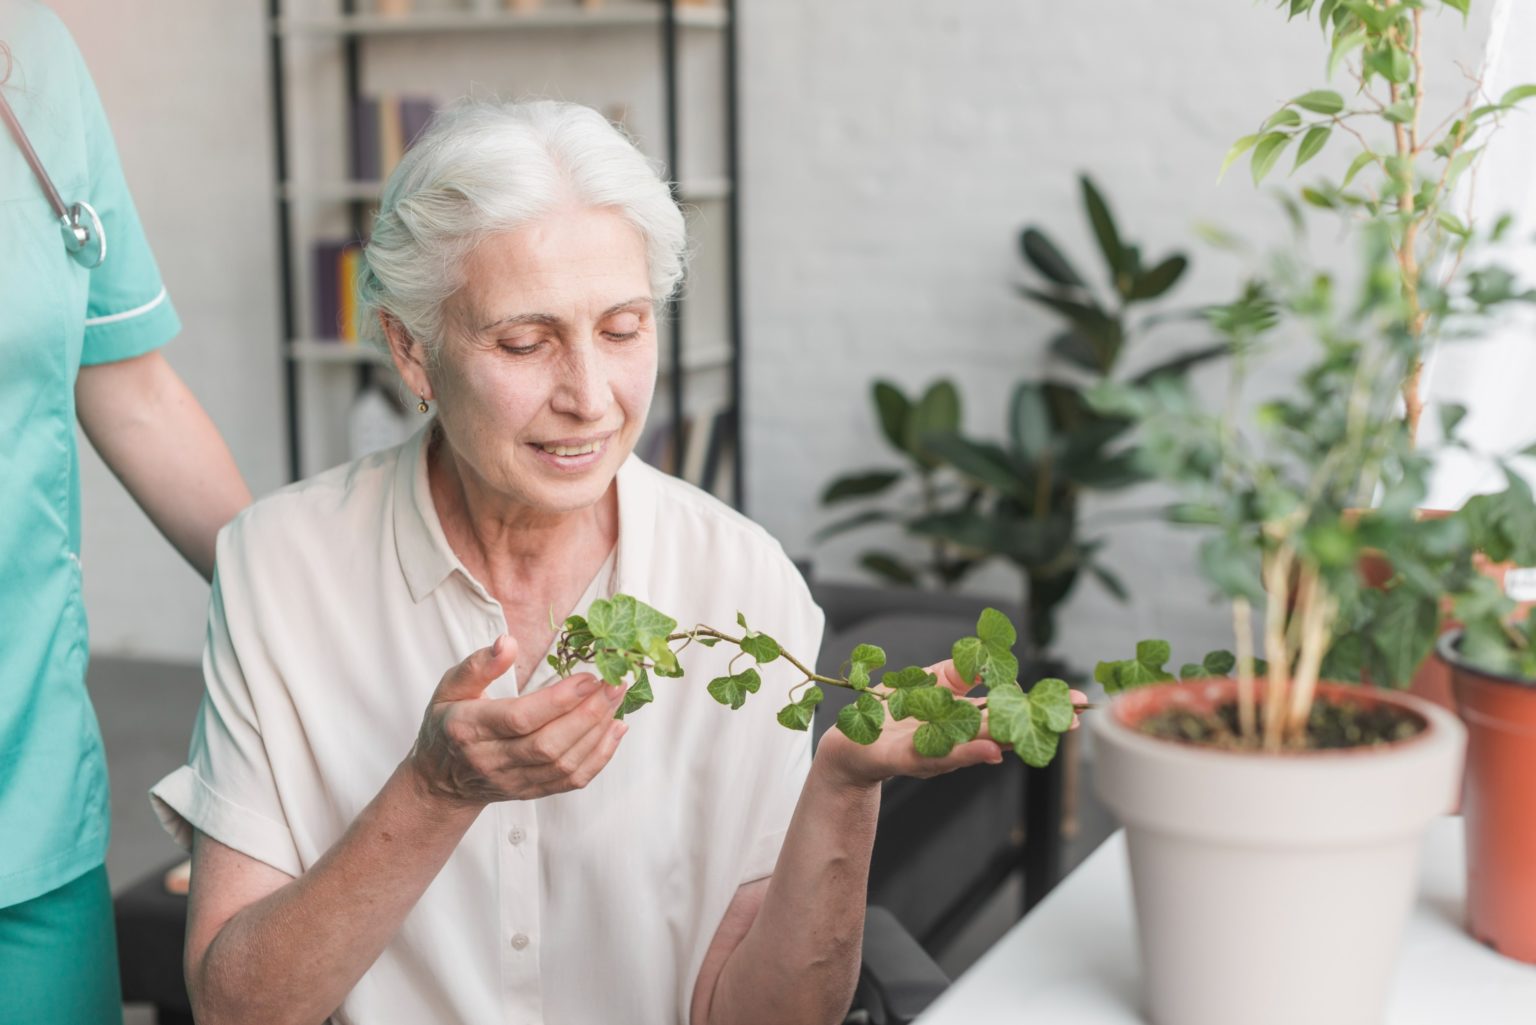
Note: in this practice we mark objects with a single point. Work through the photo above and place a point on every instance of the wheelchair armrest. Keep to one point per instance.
(897, 980)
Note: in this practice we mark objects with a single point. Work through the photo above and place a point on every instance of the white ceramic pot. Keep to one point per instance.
(1271, 889)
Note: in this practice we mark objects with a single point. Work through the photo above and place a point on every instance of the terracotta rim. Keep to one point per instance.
(1448, 648)
(1400, 699)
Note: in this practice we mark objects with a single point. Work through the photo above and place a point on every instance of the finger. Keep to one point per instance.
(950, 677)
(973, 752)
(575, 767)
(598, 760)
(563, 744)
(468, 680)
(521, 716)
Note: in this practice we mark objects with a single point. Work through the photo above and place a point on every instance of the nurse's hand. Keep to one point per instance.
(893, 754)
(473, 750)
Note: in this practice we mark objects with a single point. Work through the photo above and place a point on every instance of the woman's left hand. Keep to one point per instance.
(893, 753)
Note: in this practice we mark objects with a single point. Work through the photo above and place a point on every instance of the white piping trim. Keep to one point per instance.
(125, 315)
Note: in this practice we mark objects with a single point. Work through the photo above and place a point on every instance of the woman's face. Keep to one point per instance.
(548, 359)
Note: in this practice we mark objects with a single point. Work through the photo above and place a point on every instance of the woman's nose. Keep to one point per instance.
(583, 391)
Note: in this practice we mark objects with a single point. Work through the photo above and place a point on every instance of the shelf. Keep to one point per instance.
(319, 350)
(617, 16)
(700, 190)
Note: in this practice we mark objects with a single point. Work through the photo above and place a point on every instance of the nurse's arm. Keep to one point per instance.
(155, 437)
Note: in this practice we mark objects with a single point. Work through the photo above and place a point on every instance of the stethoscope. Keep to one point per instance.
(84, 238)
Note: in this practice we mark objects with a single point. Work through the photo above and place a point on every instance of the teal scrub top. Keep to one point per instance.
(55, 316)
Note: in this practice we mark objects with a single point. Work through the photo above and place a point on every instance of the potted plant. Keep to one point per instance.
(1493, 662)
(1272, 815)
(1406, 181)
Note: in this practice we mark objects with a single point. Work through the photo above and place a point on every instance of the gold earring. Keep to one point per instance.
(422, 406)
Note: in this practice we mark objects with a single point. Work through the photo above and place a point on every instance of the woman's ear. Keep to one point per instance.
(409, 356)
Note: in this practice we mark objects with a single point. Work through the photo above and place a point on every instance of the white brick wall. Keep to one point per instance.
(893, 151)
(893, 148)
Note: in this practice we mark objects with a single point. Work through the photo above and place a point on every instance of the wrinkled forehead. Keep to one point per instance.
(569, 264)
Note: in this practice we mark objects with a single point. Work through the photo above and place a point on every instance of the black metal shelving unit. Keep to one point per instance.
(351, 27)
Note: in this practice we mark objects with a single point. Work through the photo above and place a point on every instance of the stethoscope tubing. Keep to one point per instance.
(54, 199)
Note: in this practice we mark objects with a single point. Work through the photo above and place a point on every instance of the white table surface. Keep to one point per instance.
(1073, 959)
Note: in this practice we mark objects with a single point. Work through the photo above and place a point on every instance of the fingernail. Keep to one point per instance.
(587, 685)
(623, 729)
(618, 694)
(496, 645)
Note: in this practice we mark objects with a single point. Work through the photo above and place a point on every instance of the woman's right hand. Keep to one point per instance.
(475, 751)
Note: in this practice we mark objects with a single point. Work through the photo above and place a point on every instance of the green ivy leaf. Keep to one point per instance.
(600, 619)
(866, 658)
(761, 647)
(651, 626)
(957, 722)
(1219, 663)
(796, 717)
(1013, 719)
(1145, 668)
(611, 666)
(911, 676)
(638, 694)
(862, 721)
(733, 690)
(927, 703)
(1050, 705)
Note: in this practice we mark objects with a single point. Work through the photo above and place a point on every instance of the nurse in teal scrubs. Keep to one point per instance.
(76, 344)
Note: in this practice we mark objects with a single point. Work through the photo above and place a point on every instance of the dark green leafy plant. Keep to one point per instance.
(1057, 446)
(624, 638)
(1020, 500)
(905, 423)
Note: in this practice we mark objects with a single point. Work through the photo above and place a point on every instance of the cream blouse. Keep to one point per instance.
(337, 607)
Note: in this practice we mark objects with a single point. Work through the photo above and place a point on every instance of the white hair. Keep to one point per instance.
(483, 167)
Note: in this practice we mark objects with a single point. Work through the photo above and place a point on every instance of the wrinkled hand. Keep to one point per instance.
(893, 753)
(473, 750)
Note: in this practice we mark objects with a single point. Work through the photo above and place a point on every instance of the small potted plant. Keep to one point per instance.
(1493, 661)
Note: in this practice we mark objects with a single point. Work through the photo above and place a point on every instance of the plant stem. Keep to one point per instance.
(1278, 582)
(709, 631)
(1242, 629)
(1315, 613)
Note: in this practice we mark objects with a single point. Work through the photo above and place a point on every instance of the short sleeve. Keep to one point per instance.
(128, 312)
(773, 791)
(227, 789)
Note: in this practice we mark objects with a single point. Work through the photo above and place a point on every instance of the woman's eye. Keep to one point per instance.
(618, 337)
(519, 350)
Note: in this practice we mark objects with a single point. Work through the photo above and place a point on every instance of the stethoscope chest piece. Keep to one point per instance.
(83, 236)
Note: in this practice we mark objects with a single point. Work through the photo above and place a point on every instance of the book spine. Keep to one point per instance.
(365, 140)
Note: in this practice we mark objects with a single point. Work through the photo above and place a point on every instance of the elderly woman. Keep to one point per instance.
(513, 853)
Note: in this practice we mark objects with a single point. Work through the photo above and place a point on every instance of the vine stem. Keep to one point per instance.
(812, 677)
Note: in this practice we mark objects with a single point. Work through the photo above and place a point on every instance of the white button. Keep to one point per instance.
(516, 836)
(519, 941)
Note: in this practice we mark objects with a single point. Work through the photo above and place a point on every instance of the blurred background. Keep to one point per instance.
(858, 180)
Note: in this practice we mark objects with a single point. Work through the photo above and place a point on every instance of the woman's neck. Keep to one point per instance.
(514, 550)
